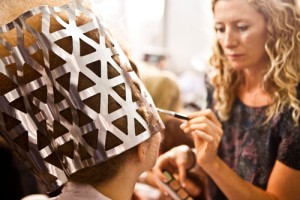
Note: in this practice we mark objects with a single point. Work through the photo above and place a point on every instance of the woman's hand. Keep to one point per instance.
(177, 161)
(207, 133)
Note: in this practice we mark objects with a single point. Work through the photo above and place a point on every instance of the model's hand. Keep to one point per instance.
(207, 133)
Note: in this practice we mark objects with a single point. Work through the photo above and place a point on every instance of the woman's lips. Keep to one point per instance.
(234, 56)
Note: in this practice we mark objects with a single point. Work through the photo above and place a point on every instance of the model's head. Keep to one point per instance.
(70, 101)
(262, 35)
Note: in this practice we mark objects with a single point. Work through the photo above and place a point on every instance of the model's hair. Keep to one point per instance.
(282, 75)
(104, 170)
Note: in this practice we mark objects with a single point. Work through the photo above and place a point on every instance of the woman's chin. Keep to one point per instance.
(237, 66)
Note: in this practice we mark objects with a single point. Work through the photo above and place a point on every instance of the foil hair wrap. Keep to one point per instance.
(69, 98)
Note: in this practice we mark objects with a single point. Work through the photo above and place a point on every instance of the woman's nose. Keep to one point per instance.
(230, 39)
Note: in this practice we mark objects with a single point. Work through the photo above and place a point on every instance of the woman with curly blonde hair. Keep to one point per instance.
(248, 143)
(279, 78)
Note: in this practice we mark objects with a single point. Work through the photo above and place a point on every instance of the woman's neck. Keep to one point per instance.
(119, 187)
(252, 79)
(251, 91)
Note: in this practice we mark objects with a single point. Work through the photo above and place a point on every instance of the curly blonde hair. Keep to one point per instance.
(282, 75)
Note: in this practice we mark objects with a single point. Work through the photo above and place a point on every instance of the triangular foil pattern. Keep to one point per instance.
(69, 99)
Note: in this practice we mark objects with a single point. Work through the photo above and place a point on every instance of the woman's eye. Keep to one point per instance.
(220, 29)
(242, 28)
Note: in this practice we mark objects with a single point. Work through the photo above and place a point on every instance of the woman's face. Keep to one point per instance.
(241, 31)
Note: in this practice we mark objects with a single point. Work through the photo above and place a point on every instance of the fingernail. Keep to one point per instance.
(183, 125)
(183, 184)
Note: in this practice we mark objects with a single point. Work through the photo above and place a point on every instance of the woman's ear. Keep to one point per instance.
(142, 151)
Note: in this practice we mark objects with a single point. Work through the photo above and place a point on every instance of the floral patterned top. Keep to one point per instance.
(251, 148)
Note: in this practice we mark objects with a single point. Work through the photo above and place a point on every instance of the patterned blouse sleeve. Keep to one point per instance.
(289, 147)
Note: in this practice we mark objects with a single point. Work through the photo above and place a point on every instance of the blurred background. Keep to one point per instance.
(169, 35)
(181, 31)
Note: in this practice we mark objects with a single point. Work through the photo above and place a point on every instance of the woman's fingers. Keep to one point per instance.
(164, 162)
(181, 163)
(205, 124)
(192, 188)
(203, 136)
(182, 174)
(205, 129)
(184, 156)
(208, 113)
(177, 160)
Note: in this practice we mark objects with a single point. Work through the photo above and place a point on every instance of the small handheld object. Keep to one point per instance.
(174, 114)
(173, 187)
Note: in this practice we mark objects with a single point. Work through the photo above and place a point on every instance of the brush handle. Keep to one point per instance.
(174, 114)
(180, 116)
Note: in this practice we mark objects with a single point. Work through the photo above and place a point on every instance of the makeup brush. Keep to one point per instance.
(174, 114)
(206, 137)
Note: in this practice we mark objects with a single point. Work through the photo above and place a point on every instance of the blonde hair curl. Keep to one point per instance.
(282, 75)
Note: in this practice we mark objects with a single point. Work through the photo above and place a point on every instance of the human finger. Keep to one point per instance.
(203, 136)
(208, 113)
(208, 128)
(164, 162)
(192, 188)
(182, 173)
